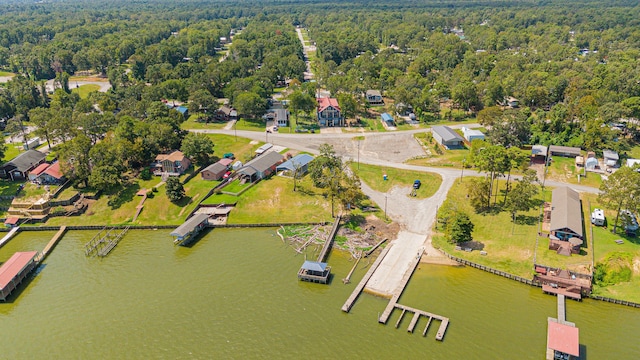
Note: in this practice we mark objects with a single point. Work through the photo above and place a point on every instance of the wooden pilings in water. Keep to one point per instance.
(416, 316)
(375, 247)
(103, 242)
(347, 280)
(5, 239)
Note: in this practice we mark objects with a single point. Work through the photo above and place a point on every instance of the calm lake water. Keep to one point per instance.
(235, 294)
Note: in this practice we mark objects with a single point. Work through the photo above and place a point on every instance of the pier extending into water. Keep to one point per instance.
(356, 292)
(51, 244)
(414, 320)
(5, 239)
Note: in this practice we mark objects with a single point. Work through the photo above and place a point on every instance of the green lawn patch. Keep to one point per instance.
(251, 124)
(6, 73)
(373, 176)
(564, 169)
(216, 199)
(84, 90)
(437, 155)
(11, 151)
(273, 200)
(242, 148)
(193, 123)
(235, 187)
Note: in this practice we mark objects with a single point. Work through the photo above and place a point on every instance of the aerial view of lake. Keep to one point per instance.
(234, 294)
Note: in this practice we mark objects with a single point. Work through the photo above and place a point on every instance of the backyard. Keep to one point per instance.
(565, 170)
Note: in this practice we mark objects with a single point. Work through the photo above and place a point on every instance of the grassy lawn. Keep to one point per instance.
(251, 124)
(285, 205)
(634, 153)
(6, 73)
(235, 187)
(216, 199)
(84, 90)
(12, 150)
(9, 188)
(509, 248)
(564, 169)
(192, 123)
(240, 147)
(397, 177)
(32, 192)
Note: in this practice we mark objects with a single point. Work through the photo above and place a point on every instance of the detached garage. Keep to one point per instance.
(446, 137)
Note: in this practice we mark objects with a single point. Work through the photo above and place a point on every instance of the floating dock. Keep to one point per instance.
(356, 292)
(5, 239)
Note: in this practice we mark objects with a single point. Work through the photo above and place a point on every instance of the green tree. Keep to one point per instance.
(198, 147)
(492, 161)
(250, 104)
(348, 105)
(459, 228)
(621, 190)
(523, 194)
(478, 190)
(325, 164)
(75, 161)
(175, 190)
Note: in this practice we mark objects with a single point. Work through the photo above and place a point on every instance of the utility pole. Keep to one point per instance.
(235, 128)
(358, 154)
(385, 206)
(462, 170)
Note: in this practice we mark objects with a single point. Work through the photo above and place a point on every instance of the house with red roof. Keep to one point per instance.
(329, 112)
(51, 175)
(35, 173)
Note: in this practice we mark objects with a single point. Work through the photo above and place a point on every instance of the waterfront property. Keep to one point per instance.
(173, 164)
(261, 167)
(446, 137)
(571, 284)
(314, 271)
(186, 232)
(566, 236)
(374, 97)
(14, 270)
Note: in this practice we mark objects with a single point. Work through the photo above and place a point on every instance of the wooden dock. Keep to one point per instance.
(51, 244)
(561, 308)
(368, 253)
(356, 292)
(327, 244)
(5, 239)
(444, 321)
(347, 280)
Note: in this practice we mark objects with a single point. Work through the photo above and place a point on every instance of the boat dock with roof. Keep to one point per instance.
(14, 270)
(186, 232)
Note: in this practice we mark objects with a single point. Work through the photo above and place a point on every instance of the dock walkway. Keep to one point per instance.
(561, 308)
(51, 244)
(9, 235)
(356, 292)
(327, 244)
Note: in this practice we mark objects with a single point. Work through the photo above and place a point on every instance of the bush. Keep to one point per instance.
(614, 269)
(145, 174)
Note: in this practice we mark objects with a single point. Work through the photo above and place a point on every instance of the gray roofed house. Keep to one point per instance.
(190, 228)
(19, 167)
(374, 97)
(445, 136)
(261, 166)
(300, 161)
(566, 214)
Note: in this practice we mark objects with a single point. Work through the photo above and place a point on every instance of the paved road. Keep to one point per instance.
(416, 217)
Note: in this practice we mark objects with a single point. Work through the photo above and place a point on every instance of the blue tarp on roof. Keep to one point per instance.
(299, 160)
(314, 266)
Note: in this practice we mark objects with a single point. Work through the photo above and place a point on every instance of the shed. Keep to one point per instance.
(591, 163)
(472, 134)
(563, 339)
(445, 136)
(33, 174)
(579, 161)
(214, 171)
(262, 149)
(539, 150)
(388, 119)
(300, 161)
(610, 158)
(11, 221)
(566, 214)
(566, 151)
(236, 165)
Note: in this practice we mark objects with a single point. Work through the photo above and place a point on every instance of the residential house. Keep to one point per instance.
(174, 164)
(214, 171)
(471, 134)
(179, 108)
(512, 102)
(446, 137)
(610, 158)
(20, 166)
(566, 221)
(226, 113)
(374, 97)
(300, 162)
(33, 174)
(279, 116)
(261, 166)
(329, 112)
(565, 151)
(52, 175)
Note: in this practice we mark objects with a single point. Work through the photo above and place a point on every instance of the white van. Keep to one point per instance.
(597, 217)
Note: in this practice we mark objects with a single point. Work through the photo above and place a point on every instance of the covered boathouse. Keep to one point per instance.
(14, 270)
(314, 271)
(184, 233)
(563, 340)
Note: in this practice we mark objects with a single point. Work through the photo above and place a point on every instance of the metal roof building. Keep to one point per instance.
(14, 270)
(300, 161)
(445, 136)
(261, 166)
(566, 214)
(190, 228)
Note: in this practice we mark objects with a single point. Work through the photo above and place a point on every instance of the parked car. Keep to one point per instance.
(226, 175)
(631, 222)
(416, 184)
